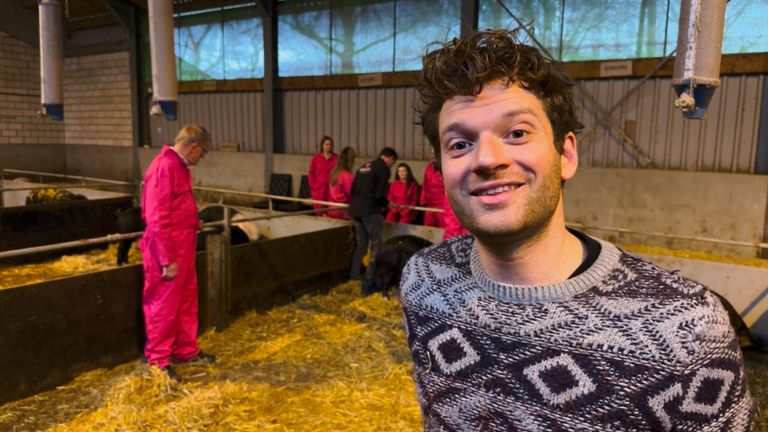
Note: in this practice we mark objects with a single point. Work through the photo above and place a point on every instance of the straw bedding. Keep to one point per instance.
(335, 362)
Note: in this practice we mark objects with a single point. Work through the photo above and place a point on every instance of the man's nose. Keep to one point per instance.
(490, 154)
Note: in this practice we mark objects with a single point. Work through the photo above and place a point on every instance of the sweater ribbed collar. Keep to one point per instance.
(605, 263)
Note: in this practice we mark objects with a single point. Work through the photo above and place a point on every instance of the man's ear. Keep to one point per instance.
(569, 160)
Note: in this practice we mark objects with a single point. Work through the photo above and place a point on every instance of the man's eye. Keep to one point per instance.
(518, 134)
(459, 146)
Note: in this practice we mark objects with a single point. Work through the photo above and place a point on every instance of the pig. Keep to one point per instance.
(215, 213)
(128, 221)
(392, 257)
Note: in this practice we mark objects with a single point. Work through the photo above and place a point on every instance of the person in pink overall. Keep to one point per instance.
(168, 249)
(453, 227)
(403, 191)
(340, 182)
(320, 172)
(433, 194)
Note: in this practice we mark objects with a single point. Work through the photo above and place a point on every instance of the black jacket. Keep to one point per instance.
(369, 189)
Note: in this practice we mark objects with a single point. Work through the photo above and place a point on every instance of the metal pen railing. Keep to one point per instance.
(213, 226)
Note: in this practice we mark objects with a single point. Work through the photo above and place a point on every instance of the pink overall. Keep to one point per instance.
(341, 192)
(400, 194)
(453, 227)
(432, 195)
(319, 173)
(170, 307)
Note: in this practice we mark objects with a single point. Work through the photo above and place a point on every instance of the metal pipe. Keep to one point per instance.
(81, 178)
(51, 59)
(759, 245)
(165, 88)
(301, 200)
(227, 226)
(65, 186)
(70, 244)
(211, 228)
(110, 238)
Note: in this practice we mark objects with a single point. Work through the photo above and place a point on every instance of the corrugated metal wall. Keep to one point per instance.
(365, 119)
(725, 141)
(229, 117)
(369, 119)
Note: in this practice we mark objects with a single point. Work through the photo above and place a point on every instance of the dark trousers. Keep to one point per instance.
(367, 235)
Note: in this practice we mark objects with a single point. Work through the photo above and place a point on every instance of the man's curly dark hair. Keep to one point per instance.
(464, 66)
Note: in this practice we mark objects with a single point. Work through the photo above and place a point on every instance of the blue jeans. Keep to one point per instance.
(367, 235)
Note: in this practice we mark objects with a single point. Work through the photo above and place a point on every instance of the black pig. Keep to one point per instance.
(215, 214)
(392, 257)
(128, 221)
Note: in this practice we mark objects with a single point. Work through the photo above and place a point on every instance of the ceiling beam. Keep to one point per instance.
(123, 11)
(19, 20)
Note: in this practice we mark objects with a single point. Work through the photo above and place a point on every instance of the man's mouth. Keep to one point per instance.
(495, 191)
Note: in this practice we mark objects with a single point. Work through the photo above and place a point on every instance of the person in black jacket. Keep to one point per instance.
(367, 209)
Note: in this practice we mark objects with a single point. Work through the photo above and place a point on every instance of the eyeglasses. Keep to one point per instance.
(205, 150)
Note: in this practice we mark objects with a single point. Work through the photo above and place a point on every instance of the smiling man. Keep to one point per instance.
(525, 324)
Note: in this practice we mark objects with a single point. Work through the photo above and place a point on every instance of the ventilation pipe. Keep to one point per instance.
(697, 62)
(51, 59)
(165, 90)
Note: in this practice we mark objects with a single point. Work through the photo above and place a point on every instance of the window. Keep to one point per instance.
(620, 29)
(225, 43)
(304, 31)
(418, 24)
(360, 36)
(745, 22)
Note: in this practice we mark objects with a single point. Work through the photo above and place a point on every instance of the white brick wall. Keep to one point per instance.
(97, 99)
(20, 97)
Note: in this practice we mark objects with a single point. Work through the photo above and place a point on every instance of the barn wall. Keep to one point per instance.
(98, 107)
(365, 119)
(96, 136)
(720, 206)
(369, 119)
(229, 117)
(725, 141)
(26, 140)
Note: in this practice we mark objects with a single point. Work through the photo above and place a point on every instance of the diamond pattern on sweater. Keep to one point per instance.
(548, 377)
(452, 351)
(706, 383)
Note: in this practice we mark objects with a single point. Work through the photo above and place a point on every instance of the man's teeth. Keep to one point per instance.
(498, 190)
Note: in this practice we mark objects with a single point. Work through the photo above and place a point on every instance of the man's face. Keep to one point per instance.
(501, 170)
(196, 152)
(389, 160)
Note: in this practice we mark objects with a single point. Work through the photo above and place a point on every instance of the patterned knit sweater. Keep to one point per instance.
(623, 346)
